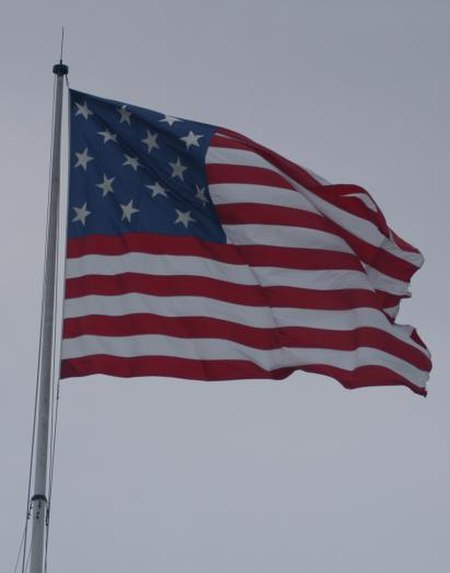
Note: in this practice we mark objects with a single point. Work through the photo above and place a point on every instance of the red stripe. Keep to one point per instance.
(296, 258)
(246, 255)
(259, 255)
(205, 370)
(260, 338)
(147, 243)
(254, 214)
(216, 370)
(220, 141)
(218, 173)
(251, 295)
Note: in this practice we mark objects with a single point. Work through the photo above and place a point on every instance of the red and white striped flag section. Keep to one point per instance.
(194, 252)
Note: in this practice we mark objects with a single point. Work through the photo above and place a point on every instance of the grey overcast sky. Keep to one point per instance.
(250, 477)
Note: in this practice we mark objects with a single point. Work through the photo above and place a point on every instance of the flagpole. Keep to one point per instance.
(39, 501)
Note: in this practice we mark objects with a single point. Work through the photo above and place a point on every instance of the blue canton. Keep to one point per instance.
(136, 170)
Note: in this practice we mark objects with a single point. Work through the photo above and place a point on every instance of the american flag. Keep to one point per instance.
(194, 252)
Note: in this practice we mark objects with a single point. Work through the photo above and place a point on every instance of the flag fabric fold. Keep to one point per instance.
(194, 252)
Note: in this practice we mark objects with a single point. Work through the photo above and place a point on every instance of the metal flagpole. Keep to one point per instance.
(39, 501)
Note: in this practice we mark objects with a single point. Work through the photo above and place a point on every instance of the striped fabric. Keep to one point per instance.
(308, 277)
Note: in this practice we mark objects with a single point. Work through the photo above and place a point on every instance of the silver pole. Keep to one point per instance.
(39, 501)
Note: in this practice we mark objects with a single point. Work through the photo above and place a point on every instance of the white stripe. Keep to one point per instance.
(383, 282)
(168, 306)
(392, 311)
(162, 265)
(285, 236)
(226, 193)
(213, 349)
(257, 317)
(231, 156)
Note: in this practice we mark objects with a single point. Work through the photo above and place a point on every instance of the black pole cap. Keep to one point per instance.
(60, 69)
(39, 497)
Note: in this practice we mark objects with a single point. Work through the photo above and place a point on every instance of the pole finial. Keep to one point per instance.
(61, 69)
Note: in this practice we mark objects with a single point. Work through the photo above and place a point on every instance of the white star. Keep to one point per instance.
(150, 141)
(157, 189)
(83, 159)
(177, 169)
(108, 136)
(128, 210)
(191, 139)
(201, 196)
(106, 186)
(124, 114)
(184, 217)
(81, 214)
(169, 119)
(83, 110)
(132, 162)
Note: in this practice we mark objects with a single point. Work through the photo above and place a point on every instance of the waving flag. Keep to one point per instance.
(194, 252)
